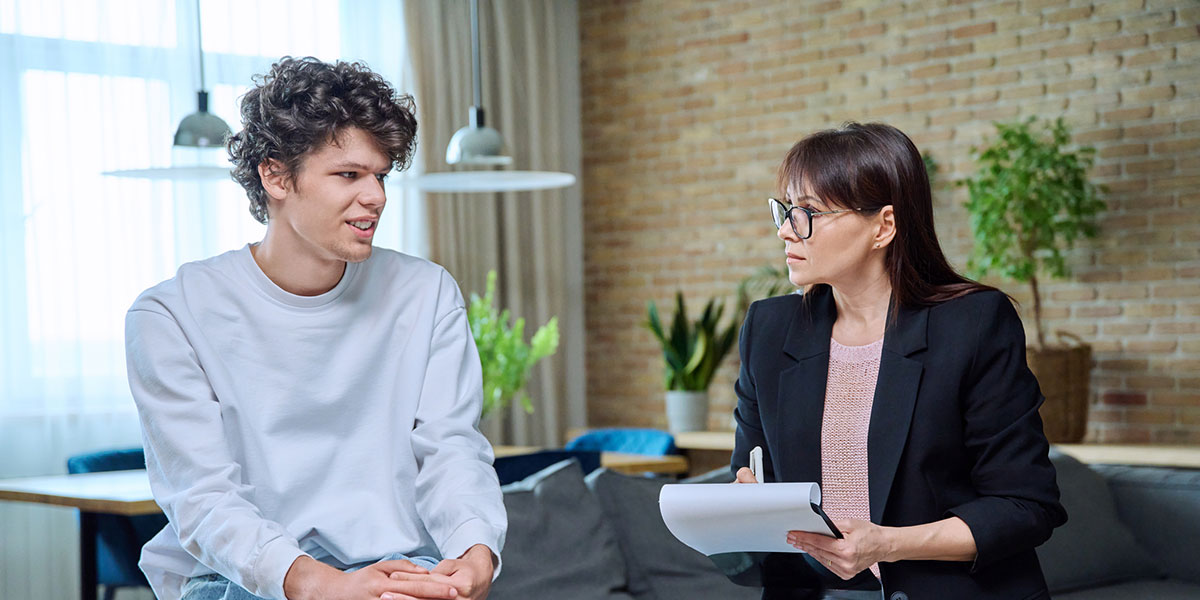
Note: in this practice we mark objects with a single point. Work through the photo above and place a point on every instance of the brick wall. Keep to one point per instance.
(688, 107)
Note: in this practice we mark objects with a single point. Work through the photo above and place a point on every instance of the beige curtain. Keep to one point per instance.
(530, 72)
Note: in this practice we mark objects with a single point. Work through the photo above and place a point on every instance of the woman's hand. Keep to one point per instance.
(864, 544)
(745, 475)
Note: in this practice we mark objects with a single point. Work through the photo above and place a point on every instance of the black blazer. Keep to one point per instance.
(954, 431)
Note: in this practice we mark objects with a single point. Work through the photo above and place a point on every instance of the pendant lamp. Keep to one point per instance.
(482, 148)
(201, 130)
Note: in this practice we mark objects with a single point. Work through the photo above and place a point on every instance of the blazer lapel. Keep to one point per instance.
(802, 388)
(895, 399)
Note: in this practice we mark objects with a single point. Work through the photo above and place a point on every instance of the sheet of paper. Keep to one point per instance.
(714, 518)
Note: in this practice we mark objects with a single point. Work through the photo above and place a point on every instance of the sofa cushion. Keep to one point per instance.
(1155, 590)
(1161, 506)
(660, 566)
(1094, 547)
(559, 544)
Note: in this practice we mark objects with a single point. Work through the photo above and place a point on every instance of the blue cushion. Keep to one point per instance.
(653, 442)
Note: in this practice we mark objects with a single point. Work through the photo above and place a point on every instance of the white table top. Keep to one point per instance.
(116, 492)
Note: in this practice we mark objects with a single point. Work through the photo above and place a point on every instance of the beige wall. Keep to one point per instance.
(688, 108)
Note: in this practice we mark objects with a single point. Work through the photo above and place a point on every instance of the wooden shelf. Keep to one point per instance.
(1159, 455)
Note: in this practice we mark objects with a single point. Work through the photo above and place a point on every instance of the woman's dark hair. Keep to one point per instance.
(302, 103)
(870, 166)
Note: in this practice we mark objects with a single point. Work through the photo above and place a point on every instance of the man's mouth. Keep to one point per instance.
(362, 225)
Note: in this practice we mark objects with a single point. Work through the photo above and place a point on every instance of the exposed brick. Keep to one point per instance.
(931, 70)
(1129, 114)
(973, 64)
(847, 18)
(867, 31)
(1110, 8)
(1068, 15)
(975, 30)
(1147, 94)
(1149, 57)
(1069, 50)
(1027, 57)
(1125, 42)
(1094, 29)
(1123, 398)
(703, 100)
(997, 43)
(1072, 85)
(997, 77)
(1124, 150)
(1149, 131)
(903, 58)
(949, 85)
(1181, 146)
(1150, 166)
(1176, 35)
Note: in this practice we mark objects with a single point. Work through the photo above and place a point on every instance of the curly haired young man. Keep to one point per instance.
(309, 403)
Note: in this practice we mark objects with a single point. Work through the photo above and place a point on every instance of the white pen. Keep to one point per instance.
(756, 464)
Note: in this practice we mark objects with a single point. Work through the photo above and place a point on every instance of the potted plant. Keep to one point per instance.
(692, 352)
(1029, 200)
(503, 353)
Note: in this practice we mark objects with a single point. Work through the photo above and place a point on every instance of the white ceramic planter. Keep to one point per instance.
(687, 411)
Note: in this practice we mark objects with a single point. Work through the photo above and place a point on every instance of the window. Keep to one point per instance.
(88, 86)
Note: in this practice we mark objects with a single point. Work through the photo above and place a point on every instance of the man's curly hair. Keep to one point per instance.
(302, 103)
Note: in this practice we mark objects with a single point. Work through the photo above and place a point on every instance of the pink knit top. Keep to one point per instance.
(850, 392)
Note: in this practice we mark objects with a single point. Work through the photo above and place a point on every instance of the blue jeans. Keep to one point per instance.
(216, 587)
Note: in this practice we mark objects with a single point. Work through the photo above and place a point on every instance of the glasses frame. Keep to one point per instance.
(787, 213)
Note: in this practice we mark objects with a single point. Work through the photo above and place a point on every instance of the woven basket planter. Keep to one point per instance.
(1063, 374)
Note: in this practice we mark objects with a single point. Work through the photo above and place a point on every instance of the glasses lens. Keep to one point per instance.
(802, 221)
(778, 212)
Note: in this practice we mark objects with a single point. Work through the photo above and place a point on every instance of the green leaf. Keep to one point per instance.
(1029, 200)
(505, 358)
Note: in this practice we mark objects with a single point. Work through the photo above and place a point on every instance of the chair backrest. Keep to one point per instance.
(653, 442)
(520, 466)
(107, 460)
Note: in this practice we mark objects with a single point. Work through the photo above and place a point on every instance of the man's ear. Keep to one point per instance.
(886, 227)
(275, 178)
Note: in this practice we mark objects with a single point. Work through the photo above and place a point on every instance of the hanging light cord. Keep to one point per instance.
(475, 54)
(200, 45)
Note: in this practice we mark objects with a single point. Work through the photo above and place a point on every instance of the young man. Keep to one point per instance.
(310, 404)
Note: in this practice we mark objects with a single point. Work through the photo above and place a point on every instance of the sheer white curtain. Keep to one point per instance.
(88, 86)
(534, 240)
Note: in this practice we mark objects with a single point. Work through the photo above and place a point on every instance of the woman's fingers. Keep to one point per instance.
(745, 475)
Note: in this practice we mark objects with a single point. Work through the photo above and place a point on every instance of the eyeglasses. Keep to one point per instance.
(801, 226)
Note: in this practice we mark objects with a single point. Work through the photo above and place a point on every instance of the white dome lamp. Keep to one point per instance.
(201, 130)
(478, 145)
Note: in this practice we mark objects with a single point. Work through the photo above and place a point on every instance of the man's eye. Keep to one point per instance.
(381, 176)
(347, 174)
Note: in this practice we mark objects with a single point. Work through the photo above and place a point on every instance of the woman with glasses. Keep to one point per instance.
(896, 383)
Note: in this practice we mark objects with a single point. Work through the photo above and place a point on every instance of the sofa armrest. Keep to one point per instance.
(1162, 508)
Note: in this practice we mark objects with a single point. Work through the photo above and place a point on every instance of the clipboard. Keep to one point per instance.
(720, 518)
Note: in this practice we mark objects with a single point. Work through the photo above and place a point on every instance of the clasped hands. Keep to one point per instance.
(468, 577)
(862, 545)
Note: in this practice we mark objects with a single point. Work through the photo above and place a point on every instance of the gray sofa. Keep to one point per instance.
(1134, 532)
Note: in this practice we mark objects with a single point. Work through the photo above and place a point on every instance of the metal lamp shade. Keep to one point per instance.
(202, 129)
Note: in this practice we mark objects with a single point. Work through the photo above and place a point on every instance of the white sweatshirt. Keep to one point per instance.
(344, 425)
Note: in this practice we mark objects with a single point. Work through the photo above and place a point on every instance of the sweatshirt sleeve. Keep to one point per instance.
(1019, 506)
(192, 474)
(458, 493)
